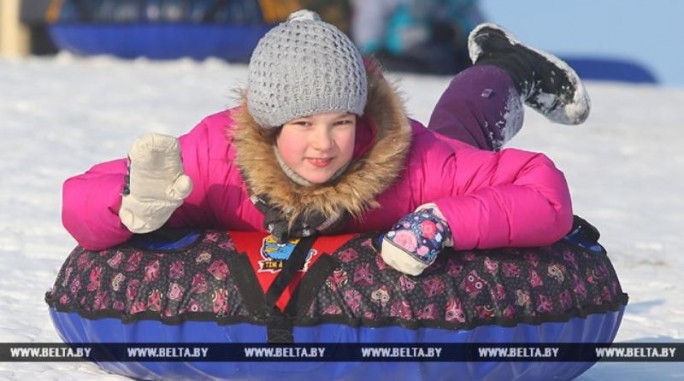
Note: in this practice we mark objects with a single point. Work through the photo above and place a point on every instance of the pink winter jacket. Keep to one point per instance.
(490, 199)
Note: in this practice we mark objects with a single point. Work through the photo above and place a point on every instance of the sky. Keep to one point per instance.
(647, 32)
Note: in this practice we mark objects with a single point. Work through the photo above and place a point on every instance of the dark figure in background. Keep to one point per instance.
(421, 36)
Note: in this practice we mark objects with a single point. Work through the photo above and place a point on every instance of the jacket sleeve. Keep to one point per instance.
(510, 198)
(91, 201)
(90, 206)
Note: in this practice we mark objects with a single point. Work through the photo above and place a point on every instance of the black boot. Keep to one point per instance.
(544, 82)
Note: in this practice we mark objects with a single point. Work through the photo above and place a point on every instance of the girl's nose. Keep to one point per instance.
(321, 139)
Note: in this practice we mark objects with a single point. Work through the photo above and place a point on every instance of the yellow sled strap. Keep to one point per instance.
(53, 11)
(275, 11)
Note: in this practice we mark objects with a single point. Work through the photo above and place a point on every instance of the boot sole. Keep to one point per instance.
(573, 112)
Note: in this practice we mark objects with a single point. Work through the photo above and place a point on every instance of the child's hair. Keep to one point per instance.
(270, 135)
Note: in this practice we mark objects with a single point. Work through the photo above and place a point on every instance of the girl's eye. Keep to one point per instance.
(343, 122)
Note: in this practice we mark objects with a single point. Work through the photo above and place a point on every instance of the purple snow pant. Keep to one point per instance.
(481, 107)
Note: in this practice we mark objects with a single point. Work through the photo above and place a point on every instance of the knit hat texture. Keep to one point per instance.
(301, 67)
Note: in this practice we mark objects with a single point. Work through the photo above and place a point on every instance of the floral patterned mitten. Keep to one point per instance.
(415, 241)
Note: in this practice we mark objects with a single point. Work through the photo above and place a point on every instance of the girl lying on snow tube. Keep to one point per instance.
(321, 144)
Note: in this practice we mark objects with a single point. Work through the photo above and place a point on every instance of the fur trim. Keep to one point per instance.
(354, 192)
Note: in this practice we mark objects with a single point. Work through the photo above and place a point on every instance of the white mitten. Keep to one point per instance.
(157, 183)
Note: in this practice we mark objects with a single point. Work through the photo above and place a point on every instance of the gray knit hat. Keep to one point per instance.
(304, 66)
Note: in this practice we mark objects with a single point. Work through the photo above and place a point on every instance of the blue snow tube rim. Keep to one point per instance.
(595, 328)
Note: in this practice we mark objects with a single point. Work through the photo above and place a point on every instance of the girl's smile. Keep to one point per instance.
(320, 162)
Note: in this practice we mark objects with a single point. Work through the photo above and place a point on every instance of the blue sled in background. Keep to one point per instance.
(235, 43)
(159, 41)
(611, 69)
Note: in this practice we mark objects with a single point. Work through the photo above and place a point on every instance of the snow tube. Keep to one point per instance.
(232, 42)
(227, 287)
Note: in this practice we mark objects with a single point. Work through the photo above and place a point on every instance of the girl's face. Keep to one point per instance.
(318, 146)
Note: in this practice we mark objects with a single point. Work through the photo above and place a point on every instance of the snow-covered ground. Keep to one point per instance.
(58, 116)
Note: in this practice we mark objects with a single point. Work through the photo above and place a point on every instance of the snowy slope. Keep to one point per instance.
(58, 116)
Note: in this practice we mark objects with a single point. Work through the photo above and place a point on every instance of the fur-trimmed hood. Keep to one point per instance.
(354, 192)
